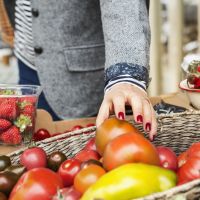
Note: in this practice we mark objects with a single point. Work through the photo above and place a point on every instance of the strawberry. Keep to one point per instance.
(8, 109)
(4, 124)
(197, 83)
(28, 110)
(11, 136)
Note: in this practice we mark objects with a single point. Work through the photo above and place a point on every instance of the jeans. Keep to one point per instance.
(30, 77)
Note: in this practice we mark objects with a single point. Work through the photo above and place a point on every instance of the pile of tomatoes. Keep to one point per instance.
(117, 142)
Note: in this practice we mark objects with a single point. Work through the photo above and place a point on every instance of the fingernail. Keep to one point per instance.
(153, 138)
(139, 118)
(121, 115)
(148, 127)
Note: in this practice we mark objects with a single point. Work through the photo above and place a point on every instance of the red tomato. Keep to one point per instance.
(41, 134)
(194, 150)
(67, 194)
(77, 127)
(85, 155)
(88, 176)
(168, 158)
(182, 158)
(39, 183)
(189, 171)
(129, 148)
(91, 145)
(33, 158)
(68, 170)
(110, 129)
(89, 125)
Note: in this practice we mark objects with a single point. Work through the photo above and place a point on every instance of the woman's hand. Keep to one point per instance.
(123, 94)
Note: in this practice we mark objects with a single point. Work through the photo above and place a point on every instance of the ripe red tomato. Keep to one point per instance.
(33, 158)
(87, 176)
(77, 127)
(86, 155)
(189, 163)
(89, 125)
(41, 134)
(91, 144)
(68, 170)
(129, 148)
(189, 171)
(39, 183)
(168, 158)
(67, 194)
(110, 129)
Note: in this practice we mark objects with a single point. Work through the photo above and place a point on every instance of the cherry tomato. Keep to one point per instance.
(3, 196)
(128, 148)
(77, 127)
(110, 129)
(38, 183)
(41, 134)
(33, 158)
(89, 125)
(85, 155)
(68, 170)
(88, 176)
(168, 158)
(55, 159)
(91, 144)
(91, 162)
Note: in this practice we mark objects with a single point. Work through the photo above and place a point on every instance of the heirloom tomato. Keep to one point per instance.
(38, 183)
(129, 148)
(110, 129)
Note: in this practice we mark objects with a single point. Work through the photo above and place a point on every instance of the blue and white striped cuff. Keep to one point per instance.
(127, 73)
(125, 79)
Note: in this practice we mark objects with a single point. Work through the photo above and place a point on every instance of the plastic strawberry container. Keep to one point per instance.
(18, 105)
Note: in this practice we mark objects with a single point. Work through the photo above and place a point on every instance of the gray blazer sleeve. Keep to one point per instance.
(127, 38)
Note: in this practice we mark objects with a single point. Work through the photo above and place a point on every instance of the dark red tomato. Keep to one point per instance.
(33, 158)
(182, 158)
(89, 125)
(91, 145)
(85, 155)
(3, 196)
(87, 176)
(77, 127)
(68, 170)
(67, 194)
(189, 171)
(39, 183)
(168, 158)
(41, 134)
(129, 148)
(110, 129)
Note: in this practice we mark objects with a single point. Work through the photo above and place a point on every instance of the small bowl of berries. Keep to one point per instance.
(191, 85)
(18, 105)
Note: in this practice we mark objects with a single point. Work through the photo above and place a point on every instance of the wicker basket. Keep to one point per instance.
(177, 131)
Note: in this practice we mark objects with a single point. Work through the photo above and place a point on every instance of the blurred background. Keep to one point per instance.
(175, 27)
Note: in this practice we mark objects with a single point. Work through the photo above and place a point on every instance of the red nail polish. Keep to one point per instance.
(121, 115)
(148, 127)
(139, 118)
